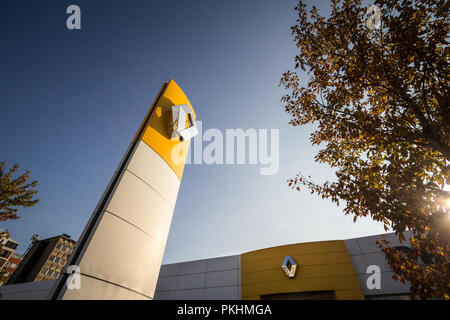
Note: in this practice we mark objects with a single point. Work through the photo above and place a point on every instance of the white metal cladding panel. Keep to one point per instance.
(127, 246)
(217, 278)
(136, 202)
(161, 177)
(123, 254)
(94, 289)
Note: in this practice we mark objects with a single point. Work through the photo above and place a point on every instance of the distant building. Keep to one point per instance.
(7, 248)
(11, 265)
(44, 260)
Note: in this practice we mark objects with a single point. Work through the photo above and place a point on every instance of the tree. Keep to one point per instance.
(379, 97)
(14, 193)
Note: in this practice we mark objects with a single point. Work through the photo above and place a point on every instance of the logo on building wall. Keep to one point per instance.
(289, 266)
(183, 123)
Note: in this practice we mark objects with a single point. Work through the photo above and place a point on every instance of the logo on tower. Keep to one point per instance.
(183, 123)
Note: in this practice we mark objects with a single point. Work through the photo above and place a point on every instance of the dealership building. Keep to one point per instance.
(350, 269)
(138, 205)
(338, 269)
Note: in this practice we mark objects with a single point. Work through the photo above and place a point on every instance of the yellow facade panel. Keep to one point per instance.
(274, 263)
(295, 285)
(346, 283)
(349, 294)
(338, 257)
(305, 272)
(321, 266)
(341, 269)
(157, 131)
(301, 248)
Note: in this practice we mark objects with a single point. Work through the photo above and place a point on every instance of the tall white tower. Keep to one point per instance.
(120, 251)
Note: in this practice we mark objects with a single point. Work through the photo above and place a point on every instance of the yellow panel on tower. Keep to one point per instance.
(158, 131)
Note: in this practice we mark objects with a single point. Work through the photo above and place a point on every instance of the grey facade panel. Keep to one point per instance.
(191, 281)
(387, 285)
(211, 279)
(359, 264)
(165, 295)
(353, 247)
(222, 278)
(37, 290)
(192, 294)
(168, 270)
(223, 293)
(368, 244)
(223, 263)
(190, 267)
(364, 252)
(167, 283)
(378, 259)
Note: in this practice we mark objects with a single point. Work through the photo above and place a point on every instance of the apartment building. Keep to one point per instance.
(8, 247)
(44, 260)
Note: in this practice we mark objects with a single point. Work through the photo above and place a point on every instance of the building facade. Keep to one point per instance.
(353, 269)
(8, 258)
(44, 260)
(10, 267)
(342, 269)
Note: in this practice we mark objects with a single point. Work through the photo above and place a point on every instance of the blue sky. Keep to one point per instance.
(71, 101)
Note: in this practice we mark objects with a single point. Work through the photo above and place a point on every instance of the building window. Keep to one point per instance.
(44, 271)
(52, 258)
(11, 245)
(5, 253)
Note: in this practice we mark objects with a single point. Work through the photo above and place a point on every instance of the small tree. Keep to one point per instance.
(14, 193)
(380, 100)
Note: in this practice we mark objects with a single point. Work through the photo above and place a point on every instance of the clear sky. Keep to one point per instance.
(71, 101)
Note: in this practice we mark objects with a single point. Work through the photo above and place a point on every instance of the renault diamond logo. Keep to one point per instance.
(183, 123)
(289, 266)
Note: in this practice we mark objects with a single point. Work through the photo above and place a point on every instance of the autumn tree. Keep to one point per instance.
(378, 94)
(14, 193)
